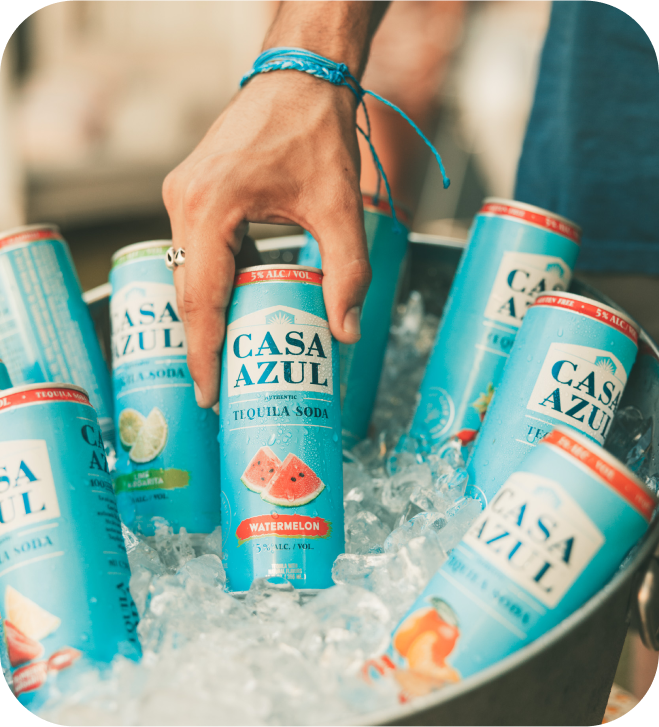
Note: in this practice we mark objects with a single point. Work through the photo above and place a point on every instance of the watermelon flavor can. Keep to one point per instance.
(64, 574)
(569, 365)
(168, 464)
(549, 540)
(46, 331)
(280, 431)
(5, 381)
(361, 363)
(515, 252)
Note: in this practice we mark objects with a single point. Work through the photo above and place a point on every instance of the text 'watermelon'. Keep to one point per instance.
(283, 526)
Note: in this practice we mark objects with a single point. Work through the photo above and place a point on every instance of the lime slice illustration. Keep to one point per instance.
(30, 619)
(151, 438)
(130, 423)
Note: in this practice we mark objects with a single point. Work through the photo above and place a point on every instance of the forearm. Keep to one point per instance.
(339, 30)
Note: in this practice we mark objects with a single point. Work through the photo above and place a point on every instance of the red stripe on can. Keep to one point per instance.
(30, 236)
(33, 396)
(277, 275)
(382, 205)
(560, 227)
(627, 488)
(592, 310)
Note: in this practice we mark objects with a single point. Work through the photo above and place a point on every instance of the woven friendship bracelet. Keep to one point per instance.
(298, 59)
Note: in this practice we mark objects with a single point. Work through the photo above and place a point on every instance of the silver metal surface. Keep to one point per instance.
(647, 603)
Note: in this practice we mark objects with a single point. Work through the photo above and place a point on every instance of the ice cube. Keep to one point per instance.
(365, 532)
(396, 491)
(418, 525)
(173, 550)
(460, 520)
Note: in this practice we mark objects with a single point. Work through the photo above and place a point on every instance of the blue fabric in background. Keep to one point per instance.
(591, 151)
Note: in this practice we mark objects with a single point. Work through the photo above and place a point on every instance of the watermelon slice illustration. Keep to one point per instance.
(21, 648)
(260, 470)
(293, 484)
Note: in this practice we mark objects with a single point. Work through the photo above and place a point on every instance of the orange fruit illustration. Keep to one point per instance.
(438, 618)
(425, 656)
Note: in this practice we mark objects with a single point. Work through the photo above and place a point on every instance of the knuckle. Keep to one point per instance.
(195, 197)
(170, 190)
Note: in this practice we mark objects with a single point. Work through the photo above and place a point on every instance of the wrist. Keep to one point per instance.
(338, 30)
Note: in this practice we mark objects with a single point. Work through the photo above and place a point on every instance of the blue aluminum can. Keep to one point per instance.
(361, 363)
(5, 381)
(64, 573)
(167, 460)
(569, 365)
(46, 331)
(550, 539)
(514, 253)
(280, 431)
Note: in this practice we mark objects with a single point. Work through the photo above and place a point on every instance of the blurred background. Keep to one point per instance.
(99, 100)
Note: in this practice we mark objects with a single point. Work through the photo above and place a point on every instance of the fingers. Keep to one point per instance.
(346, 269)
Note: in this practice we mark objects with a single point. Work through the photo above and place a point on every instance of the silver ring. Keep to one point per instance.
(175, 258)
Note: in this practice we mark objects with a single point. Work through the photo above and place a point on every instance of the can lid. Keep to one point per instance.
(40, 393)
(138, 246)
(29, 233)
(277, 274)
(382, 205)
(531, 215)
(593, 309)
(605, 466)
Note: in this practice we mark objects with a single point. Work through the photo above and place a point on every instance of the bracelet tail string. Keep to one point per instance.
(338, 74)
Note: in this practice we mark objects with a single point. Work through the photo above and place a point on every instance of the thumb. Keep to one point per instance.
(346, 270)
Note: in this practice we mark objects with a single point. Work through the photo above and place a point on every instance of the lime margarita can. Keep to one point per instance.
(46, 331)
(64, 573)
(280, 435)
(549, 540)
(361, 363)
(515, 252)
(569, 366)
(167, 459)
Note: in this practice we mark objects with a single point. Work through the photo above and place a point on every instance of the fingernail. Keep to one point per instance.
(216, 408)
(197, 394)
(351, 321)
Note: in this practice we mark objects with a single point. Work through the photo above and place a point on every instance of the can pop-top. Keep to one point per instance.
(361, 363)
(5, 381)
(168, 464)
(64, 573)
(280, 431)
(553, 535)
(569, 365)
(46, 331)
(514, 253)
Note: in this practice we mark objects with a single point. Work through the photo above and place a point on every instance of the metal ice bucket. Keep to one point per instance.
(563, 678)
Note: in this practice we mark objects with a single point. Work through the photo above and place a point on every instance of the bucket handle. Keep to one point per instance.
(647, 604)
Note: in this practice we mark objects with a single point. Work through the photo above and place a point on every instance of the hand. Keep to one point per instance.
(284, 151)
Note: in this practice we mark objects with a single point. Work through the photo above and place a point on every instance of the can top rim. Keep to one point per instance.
(278, 267)
(531, 208)
(29, 228)
(602, 453)
(45, 385)
(591, 301)
(139, 246)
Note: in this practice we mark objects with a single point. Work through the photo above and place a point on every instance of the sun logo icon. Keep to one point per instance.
(280, 316)
(555, 268)
(606, 364)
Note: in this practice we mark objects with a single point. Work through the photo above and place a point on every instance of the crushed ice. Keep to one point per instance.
(274, 657)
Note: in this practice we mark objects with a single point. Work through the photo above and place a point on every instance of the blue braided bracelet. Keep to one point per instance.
(298, 59)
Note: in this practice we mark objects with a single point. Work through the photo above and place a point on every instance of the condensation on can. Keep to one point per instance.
(569, 365)
(64, 573)
(515, 252)
(48, 333)
(167, 460)
(280, 431)
(551, 538)
(361, 362)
